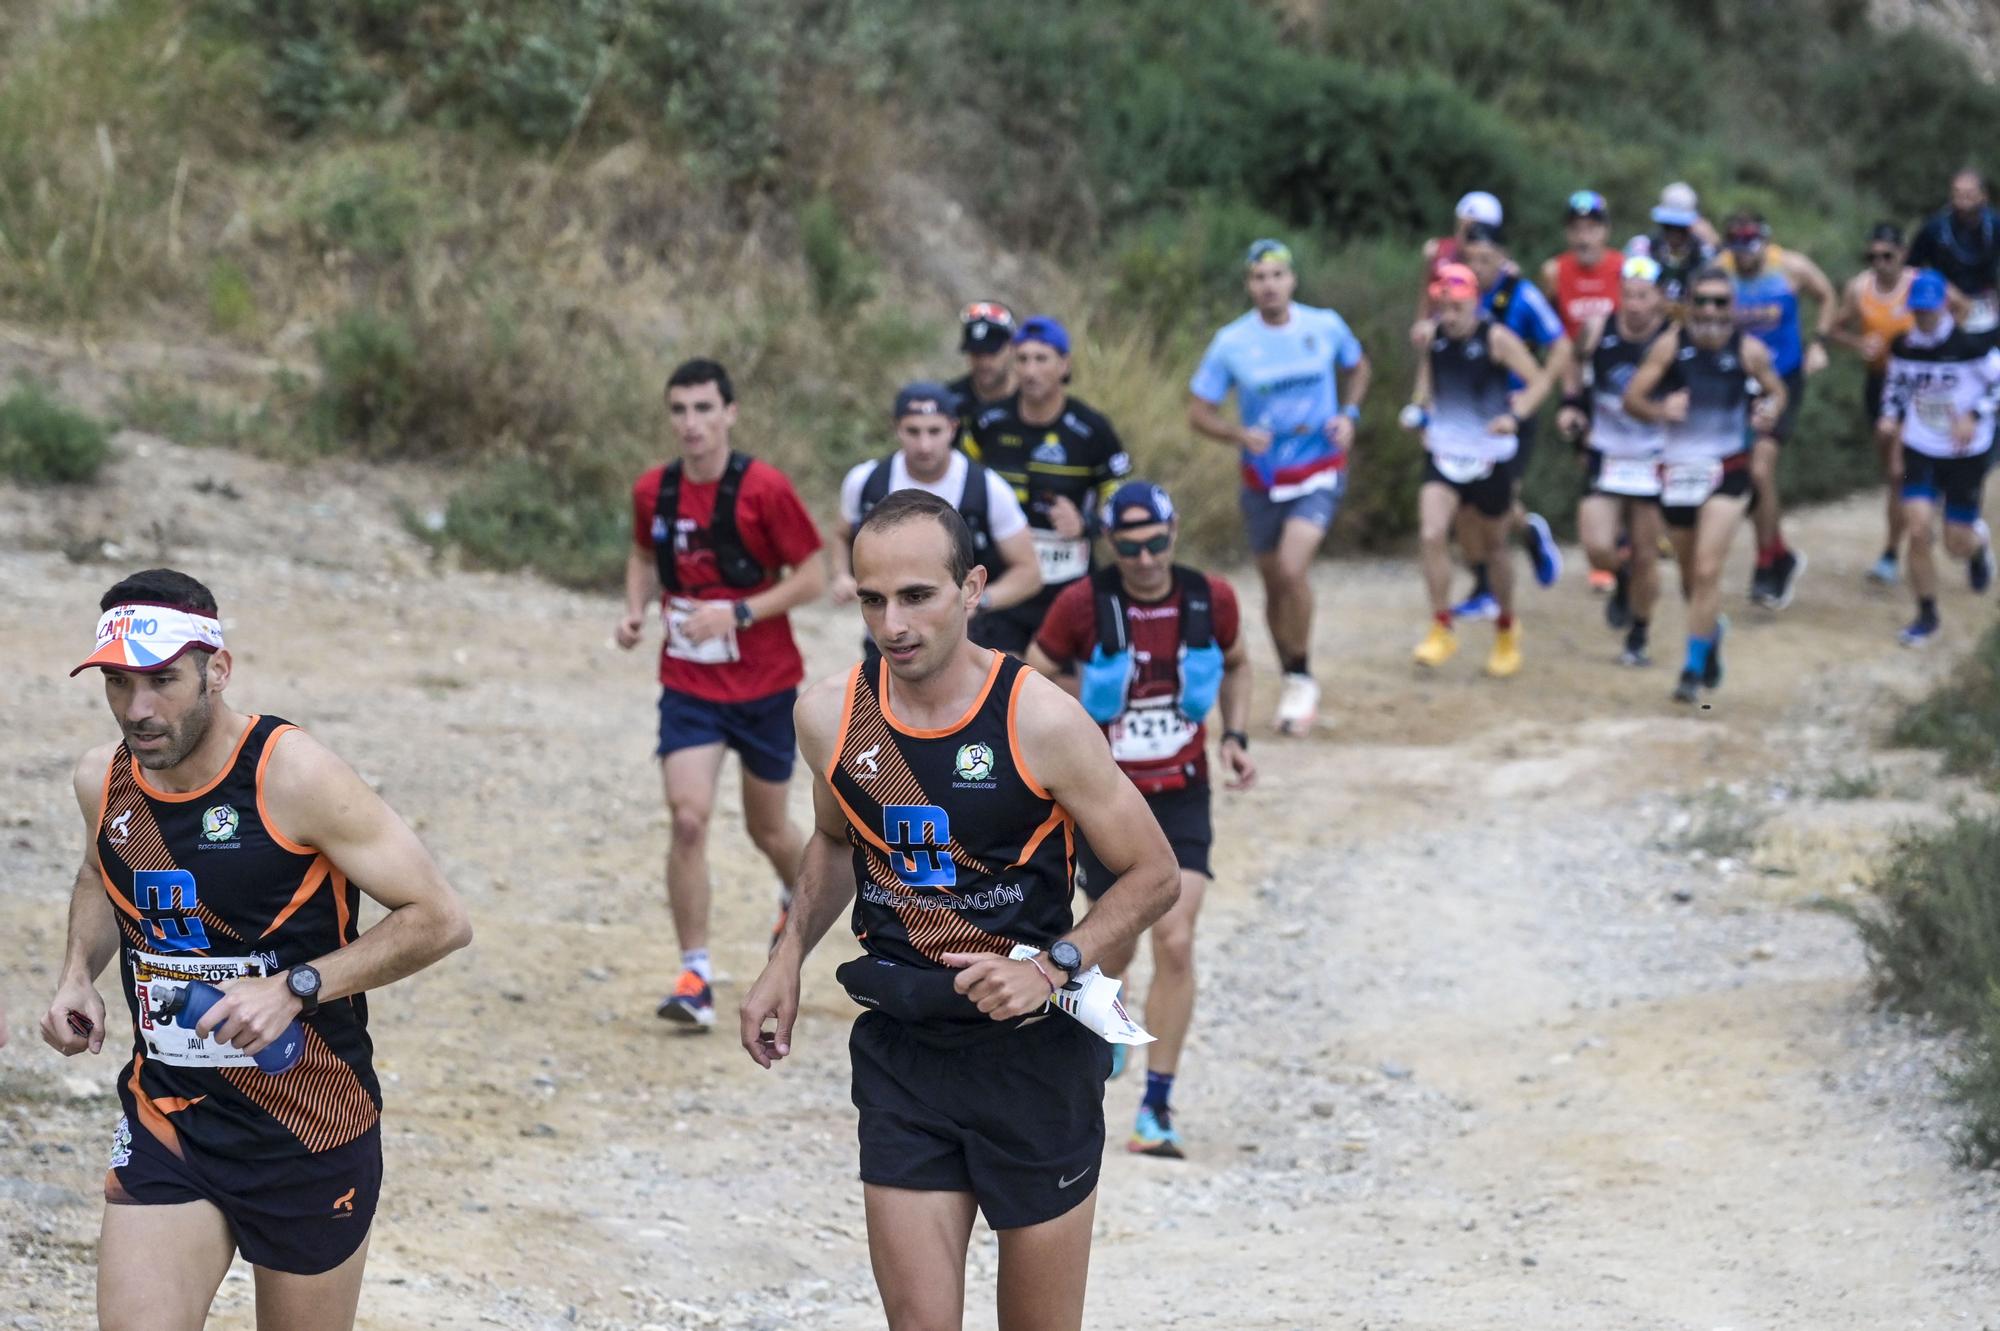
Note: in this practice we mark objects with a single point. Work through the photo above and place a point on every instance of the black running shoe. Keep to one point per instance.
(1618, 605)
(1689, 688)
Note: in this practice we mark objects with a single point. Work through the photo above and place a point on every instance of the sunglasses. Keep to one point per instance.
(1713, 302)
(1152, 545)
(986, 311)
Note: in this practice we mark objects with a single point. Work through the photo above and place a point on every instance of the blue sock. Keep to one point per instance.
(1698, 650)
(1159, 1085)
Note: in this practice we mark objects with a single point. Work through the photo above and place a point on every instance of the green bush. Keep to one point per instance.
(1976, 1089)
(522, 514)
(1961, 718)
(43, 442)
(841, 278)
(1940, 123)
(370, 392)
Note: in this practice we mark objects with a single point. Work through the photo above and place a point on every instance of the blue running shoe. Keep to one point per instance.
(1479, 605)
(1885, 571)
(1153, 1134)
(1920, 633)
(1712, 677)
(1543, 550)
(691, 1004)
(1979, 569)
(1117, 1060)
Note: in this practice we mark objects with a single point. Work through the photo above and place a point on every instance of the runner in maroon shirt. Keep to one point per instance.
(1151, 695)
(743, 554)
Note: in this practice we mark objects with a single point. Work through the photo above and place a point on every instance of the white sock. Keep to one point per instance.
(696, 960)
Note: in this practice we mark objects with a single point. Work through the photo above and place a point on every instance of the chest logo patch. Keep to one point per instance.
(220, 822)
(975, 762)
(1051, 451)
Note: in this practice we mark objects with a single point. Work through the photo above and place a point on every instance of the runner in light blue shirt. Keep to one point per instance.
(1284, 361)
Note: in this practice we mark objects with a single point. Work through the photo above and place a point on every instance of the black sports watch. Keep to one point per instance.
(744, 616)
(1242, 739)
(303, 982)
(1066, 957)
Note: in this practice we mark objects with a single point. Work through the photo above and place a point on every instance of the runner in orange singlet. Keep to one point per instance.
(1874, 312)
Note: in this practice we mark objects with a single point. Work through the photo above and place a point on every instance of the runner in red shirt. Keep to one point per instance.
(1151, 696)
(743, 556)
(1583, 281)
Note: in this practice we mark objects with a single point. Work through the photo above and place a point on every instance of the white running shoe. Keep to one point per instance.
(1298, 705)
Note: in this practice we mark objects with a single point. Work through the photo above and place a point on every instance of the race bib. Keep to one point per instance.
(1063, 558)
(1461, 469)
(1150, 732)
(715, 651)
(1935, 414)
(1629, 476)
(1689, 484)
(1984, 316)
(155, 979)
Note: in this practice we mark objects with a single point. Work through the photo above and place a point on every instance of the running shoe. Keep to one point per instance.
(1712, 677)
(1153, 1134)
(1117, 1061)
(1784, 579)
(1635, 648)
(691, 1004)
(1601, 581)
(1543, 550)
(1438, 646)
(1885, 571)
(1979, 568)
(1617, 606)
(1479, 605)
(784, 913)
(1298, 705)
(1760, 586)
(1505, 660)
(1689, 688)
(1920, 633)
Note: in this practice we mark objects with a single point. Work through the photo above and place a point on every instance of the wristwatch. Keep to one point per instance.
(744, 616)
(1351, 410)
(1065, 956)
(303, 982)
(1242, 739)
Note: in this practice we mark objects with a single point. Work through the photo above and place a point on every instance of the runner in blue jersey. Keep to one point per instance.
(1509, 300)
(1284, 361)
(1769, 282)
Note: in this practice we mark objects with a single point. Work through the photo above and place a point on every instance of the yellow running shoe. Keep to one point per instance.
(1438, 646)
(1506, 657)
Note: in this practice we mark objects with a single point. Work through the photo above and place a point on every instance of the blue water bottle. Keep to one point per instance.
(187, 1007)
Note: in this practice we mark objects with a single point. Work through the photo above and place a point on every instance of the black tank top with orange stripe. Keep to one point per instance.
(957, 848)
(205, 887)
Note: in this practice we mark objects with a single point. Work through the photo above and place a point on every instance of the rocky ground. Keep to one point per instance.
(1515, 1011)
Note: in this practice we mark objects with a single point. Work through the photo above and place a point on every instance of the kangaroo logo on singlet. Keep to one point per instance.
(866, 765)
(220, 823)
(916, 836)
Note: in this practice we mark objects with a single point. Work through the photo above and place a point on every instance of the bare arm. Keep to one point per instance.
(825, 887)
(1771, 402)
(1846, 328)
(93, 928)
(1359, 380)
(1205, 418)
(1640, 404)
(642, 588)
(801, 583)
(1069, 681)
(1548, 283)
(1420, 391)
(1023, 577)
(1813, 283)
(314, 799)
(1235, 704)
(1513, 353)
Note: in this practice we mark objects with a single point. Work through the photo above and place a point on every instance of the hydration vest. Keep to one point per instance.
(971, 505)
(1107, 675)
(738, 567)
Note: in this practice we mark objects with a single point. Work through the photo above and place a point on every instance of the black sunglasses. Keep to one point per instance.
(1152, 545)
(1712, 302)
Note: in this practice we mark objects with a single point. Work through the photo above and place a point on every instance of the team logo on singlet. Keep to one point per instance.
(1051, 451)
(220, 822)
(975, 762)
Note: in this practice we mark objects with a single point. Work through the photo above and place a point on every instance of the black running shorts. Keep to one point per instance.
(1183, 815)
(1017, 1121)
(1492, 494)
(303, 1215)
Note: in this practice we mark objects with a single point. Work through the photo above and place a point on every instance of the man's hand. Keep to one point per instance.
(1571, 423)
(1872, 346)
(1764, 416)
(1000, 988)
(631, 629)
(1963, 427)
(844, 590)
(78, 998)
(711, 619)
(1065, 518)
(775, 997)
(252, 1012)
(1674, 407)
(1421, 333)
(1816, 359)
(1505, 423)
(1241, 766)
(1340, 432)
(1254, 440)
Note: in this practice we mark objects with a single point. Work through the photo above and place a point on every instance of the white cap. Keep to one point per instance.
(1678, 205)
(1479, 206)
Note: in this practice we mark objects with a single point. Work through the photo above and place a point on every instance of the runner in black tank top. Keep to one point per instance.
(215, 872)
(946, 778)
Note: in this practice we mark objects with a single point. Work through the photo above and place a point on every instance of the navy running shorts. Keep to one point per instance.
(1183, 815)
(759, 730)
(1959, 482)
(1264, 520)
(1016, 1120)
(303, 1215)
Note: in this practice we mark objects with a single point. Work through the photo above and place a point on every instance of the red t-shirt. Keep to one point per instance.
(777, 532)
(1069, 635)
(1583, 294)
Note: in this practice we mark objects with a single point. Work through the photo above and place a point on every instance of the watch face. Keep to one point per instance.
(1066, 956)
(302, 981)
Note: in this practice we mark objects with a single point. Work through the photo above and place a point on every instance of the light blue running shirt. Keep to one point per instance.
(1284, 378)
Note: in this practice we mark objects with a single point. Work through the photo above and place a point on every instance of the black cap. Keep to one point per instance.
(987, 326)
(1482, 231)
(1886, 233)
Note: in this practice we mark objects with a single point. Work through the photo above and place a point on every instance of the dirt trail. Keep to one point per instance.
(1464, 1059)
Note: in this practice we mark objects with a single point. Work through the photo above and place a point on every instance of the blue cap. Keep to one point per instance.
(1137, 494)
(1927, 290)
(1260, 250)
(924, 398)
(1043, 329)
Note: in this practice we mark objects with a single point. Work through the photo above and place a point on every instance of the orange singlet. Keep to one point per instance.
(1886, 316)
